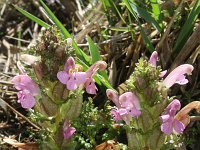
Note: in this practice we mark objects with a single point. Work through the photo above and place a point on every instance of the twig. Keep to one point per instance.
(18, 113)
(7, 45)
(10, 37)
(6, 82)
(3, 8)
(194, 118)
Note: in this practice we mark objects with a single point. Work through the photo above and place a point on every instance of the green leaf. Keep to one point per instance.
(94, 50)
(156, 11)
(66, 34)
(32, 17)
(143, 13)
(187, 27)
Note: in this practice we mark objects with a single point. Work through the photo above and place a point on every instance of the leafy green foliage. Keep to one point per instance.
(91, 125)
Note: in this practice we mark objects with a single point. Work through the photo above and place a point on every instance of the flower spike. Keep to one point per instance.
(127, 105)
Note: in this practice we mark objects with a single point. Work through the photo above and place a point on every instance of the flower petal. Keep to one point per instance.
(167, 127)
(70, 64)
(181, 80)
(153, 58)
(183, 114)
(63, 77)
(164, 118)
(134, 112)
(71, 83)
(22, 82)
(90, 86)
(179, 127)
(129, 100)
(68, 132)
(178, 75)
(26, 100)
(112, 95)
(116, 115)
(163, 73)
(80, 77)
(99, 65)
(127, 118)
(173, 107)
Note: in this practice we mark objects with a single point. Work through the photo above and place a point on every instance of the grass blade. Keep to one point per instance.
(145, 37)
(143, 13)
(32, 17)
(187, 27)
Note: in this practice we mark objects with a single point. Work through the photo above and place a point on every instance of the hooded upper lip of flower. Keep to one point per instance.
(178, 75)
(153, 58)
(127, 104)
(90, 83)
(22, 82)
(168, 118)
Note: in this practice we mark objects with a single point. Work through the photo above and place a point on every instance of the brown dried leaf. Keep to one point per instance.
(24, 146)
(183, 115)
(108, 145)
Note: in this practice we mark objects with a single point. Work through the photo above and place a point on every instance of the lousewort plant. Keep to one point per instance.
(145, 112)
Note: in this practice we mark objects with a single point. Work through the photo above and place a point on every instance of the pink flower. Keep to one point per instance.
(90, 82)
(27, 89)
(127, 105)
(170, 124)
(163, 73)
(117, 114)
(178, 75)
(68, 131)
(70, 75)
(153, 58)
(72, 78)
(90, 86)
